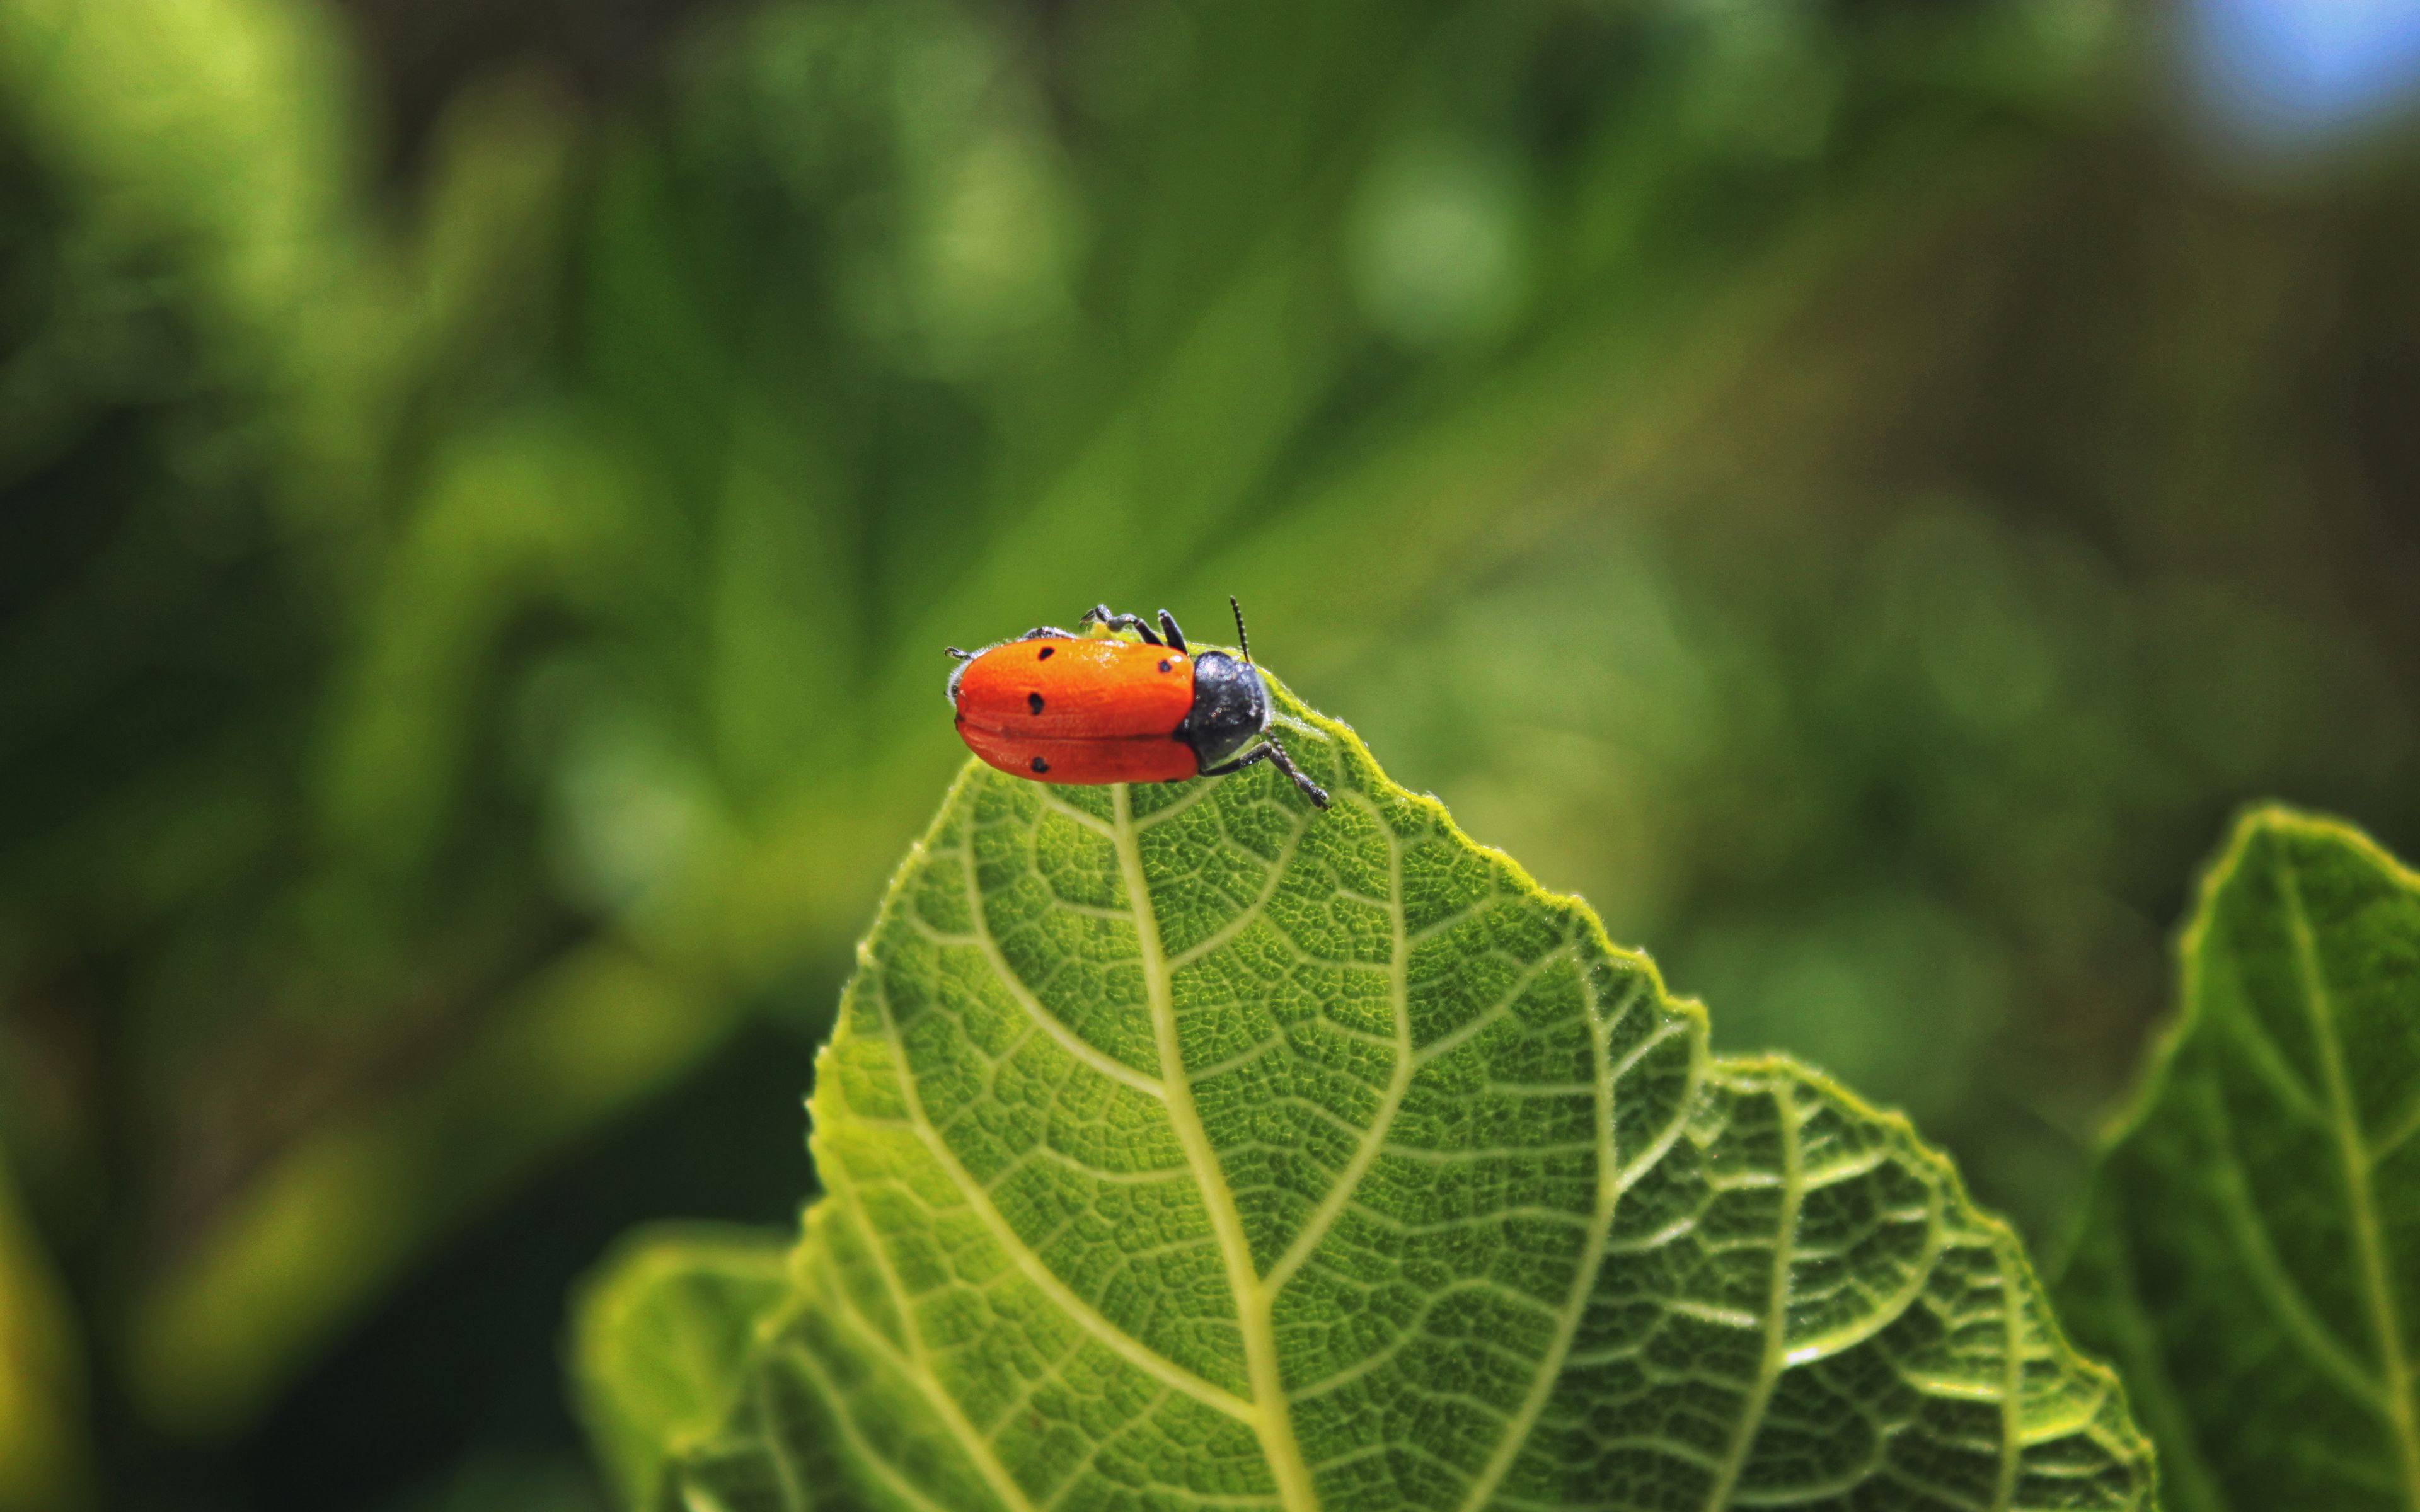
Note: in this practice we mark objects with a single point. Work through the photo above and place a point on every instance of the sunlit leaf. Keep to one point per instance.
(2251, 1254)
(1190, 1146)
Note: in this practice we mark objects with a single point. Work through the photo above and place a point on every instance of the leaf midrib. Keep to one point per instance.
(1272, 1422)
(1255, 1295)
(2369, 1243)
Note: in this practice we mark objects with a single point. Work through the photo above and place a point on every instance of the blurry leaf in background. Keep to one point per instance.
(661, 1332)
(209, 946)
(42, 1386)
(504, 1482)
(1440, 243)
(216, 129)
(352, 1200)
(2246, 1257)
(1913, 747)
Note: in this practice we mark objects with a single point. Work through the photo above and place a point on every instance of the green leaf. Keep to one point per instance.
(2251, 1251)
(660, 1334)
(1186, 1146)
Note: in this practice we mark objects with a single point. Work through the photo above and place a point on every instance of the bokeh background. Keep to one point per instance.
(1858, 489)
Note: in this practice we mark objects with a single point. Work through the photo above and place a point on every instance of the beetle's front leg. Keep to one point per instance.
(1270, 752)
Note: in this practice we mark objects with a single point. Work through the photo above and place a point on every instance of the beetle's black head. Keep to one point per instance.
(1231, 706)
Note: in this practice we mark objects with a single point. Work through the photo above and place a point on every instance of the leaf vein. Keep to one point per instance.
(912, 1362)
(1081, 1311)
(2270, 1277)
(786, 1469)
(1249, 915)
(1584, 1271)
(2261, 1050)
(2369, 1242)
(1067, 1038)
(1776, 1308)
(1398, 1081)
(1270, 1416)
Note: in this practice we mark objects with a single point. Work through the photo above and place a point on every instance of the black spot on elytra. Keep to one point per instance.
(1041, 766)
(1045, 655)
(1033, 702)
(1167, 666)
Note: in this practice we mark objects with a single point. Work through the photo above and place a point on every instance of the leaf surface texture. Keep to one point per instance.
(1186, 1148)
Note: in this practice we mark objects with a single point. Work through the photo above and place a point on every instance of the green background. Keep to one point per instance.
(1859, 491)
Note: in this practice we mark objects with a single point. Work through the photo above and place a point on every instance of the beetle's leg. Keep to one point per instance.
(1168, 627)
(962, 655)
(1050, 632)
(1099, 614)
(1269, 750)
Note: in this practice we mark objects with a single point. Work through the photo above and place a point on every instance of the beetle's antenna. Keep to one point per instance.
(1242, 641)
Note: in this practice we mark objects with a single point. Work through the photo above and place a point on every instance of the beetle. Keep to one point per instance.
(1060, 707)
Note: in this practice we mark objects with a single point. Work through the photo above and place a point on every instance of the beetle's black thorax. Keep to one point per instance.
(1230, 705)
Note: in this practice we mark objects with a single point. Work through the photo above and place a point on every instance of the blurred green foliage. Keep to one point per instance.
(470, 630)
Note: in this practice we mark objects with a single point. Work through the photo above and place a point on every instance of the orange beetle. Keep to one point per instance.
(1055, 705)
